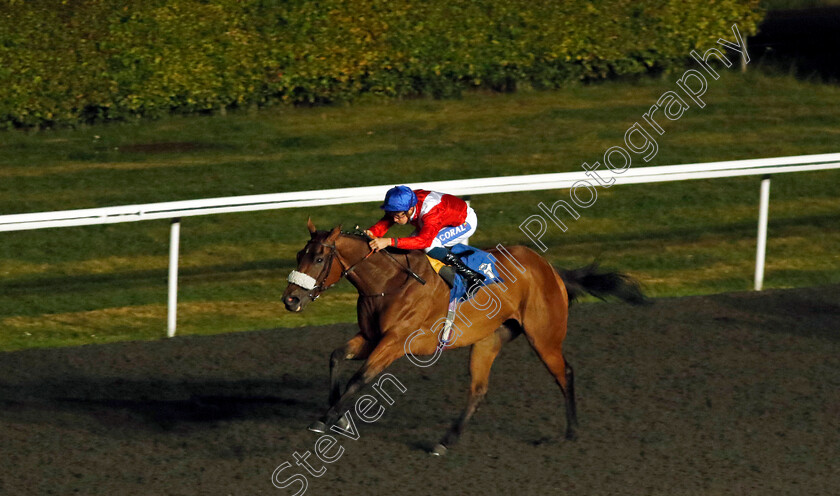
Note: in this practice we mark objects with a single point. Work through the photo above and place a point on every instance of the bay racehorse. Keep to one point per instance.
(402, 300)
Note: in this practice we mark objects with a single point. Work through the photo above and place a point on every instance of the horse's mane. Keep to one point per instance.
(360, 235)
(356, 233)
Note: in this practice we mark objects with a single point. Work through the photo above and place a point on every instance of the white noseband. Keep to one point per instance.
(302, 280)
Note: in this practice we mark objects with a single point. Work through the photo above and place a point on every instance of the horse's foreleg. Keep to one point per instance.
(380, 358)
(358, 348)
(482, 356)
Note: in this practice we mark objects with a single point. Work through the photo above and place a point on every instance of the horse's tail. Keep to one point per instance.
(601, 284)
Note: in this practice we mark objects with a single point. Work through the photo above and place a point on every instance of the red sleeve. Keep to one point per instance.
(431, 227)
(380, 228)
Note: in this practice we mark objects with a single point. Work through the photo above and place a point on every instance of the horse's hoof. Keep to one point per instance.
(343, 423)
(318, 427)
(438, 450)
(571, 436)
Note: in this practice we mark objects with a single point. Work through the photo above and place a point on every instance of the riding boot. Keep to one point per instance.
(471, 277)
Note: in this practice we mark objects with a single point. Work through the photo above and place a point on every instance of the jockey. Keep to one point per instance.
(441, 220)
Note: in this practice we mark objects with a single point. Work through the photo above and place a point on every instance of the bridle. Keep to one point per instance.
(315, 286)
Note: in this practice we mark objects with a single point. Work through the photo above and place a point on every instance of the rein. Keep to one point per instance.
(407, 269)
(307, 282)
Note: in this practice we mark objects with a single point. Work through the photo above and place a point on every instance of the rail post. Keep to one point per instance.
(172, 307)
(761, 242)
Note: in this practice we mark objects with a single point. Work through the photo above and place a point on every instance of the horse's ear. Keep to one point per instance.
(310, 226)
(334, 234)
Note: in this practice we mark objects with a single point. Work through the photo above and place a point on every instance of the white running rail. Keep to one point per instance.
(462, 187)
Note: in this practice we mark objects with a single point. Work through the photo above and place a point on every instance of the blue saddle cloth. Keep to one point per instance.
(479, 261)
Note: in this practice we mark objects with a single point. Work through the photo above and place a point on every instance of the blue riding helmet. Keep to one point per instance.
(399, 199)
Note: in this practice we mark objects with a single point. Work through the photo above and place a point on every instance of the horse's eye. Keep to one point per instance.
(320, 260)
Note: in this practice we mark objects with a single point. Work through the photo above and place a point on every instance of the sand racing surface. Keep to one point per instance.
(724, 394)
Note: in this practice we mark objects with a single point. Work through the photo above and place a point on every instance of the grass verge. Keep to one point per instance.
(105, 283)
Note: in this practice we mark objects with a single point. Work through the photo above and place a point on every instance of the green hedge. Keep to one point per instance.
(70, 61)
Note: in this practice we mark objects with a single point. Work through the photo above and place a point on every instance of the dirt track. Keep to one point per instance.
(727, 394)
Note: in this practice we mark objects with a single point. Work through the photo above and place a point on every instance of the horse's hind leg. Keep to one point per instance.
(569, 395)
(549, 346)
(482, 356)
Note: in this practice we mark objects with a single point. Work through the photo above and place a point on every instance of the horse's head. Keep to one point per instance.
(317, 269)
